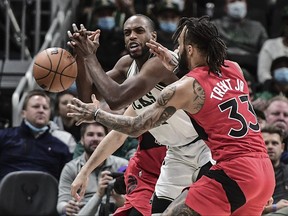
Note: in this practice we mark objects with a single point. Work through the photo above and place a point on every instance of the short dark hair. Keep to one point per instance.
(150, 21)
(57, 99)
(273, 130)
(35, 92)
(204, 34)
(85, 125)
(279, 62)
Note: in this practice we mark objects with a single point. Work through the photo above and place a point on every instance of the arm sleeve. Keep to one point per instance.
(65, 181)
(91, 206)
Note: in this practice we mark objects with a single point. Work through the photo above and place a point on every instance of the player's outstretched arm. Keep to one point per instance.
(111, 142)
(184, 94)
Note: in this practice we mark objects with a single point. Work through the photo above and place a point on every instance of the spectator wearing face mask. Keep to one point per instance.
(272, 49)
(244, 37)
(279, 82)
(167, 15)
(111, 39)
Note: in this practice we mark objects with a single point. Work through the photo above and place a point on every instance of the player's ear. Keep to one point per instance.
(154, 36)
(190, 49)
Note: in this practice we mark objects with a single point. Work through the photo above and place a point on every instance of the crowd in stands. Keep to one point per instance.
(256, 34)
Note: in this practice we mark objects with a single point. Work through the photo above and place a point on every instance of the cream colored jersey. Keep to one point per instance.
(186, 152)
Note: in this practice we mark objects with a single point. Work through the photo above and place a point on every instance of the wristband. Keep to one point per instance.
(95, 114)
(274, 207)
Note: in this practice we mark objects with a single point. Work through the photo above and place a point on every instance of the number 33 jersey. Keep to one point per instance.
(231, 115)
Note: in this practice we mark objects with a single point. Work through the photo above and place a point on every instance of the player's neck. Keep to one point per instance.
(141, 61)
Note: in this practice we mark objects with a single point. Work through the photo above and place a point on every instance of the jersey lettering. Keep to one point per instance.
(144, 101)
(233, 106)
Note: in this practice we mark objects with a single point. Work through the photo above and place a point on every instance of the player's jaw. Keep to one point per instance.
(137, 50)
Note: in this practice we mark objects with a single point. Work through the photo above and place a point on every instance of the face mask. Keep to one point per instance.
(106, 23)
(168, 26)
(237, 10)
(35, 129)
(281, 75)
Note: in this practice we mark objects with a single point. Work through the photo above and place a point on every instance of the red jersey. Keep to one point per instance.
(227, 115)
(141, 175)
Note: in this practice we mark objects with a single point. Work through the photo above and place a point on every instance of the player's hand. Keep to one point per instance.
(78, 186)
(83, 112)
(84, 42)
(168, 60)
(72, 208)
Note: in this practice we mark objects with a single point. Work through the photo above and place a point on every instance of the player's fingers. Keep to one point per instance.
(75, 28)
(94, 99)
(70, 44)
(79, 122)
(82, 28)
(69, 34)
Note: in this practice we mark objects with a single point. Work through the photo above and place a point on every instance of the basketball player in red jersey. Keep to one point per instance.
(141, 78)
(216, 94)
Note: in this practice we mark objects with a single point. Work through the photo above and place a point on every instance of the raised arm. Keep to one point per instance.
(107, 146)
(117, 90)
(186, 94)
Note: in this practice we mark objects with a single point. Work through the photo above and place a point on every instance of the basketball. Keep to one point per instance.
(54, 69)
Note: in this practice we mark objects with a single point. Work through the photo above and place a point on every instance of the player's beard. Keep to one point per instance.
(183, 64)
(145, 52)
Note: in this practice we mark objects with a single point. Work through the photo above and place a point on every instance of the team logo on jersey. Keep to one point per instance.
(132, 184)
(144, 101)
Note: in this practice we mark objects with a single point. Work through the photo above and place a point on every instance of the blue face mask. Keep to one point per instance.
(106, 23)
(281, 75)
(168, 26)
(35, 129)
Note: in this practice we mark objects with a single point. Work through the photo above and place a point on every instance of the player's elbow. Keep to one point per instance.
(116, 104)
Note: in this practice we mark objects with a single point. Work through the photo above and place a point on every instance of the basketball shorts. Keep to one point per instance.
(241, 186)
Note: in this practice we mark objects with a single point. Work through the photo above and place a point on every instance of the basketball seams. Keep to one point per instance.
(61, 54)
(71, 64)
(51, 78)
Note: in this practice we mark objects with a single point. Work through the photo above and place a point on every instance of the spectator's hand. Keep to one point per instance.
(259, 104)
(168, 60)
(84, 42)
(72, 207)
(84, 112)
(105, 178)
(282, 203)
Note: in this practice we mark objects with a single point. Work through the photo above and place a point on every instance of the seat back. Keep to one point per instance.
(28, 193)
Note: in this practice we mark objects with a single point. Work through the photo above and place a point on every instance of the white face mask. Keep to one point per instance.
(237, 9)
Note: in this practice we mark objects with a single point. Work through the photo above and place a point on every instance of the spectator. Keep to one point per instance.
(61, 119)
(273, 138)
(32, 145)
(111, 40)
(279, 82)
(276, 114)
(244, 37)
(168, 15)
(91, 136)
(272, 49)
(126, 150)
(260, 118)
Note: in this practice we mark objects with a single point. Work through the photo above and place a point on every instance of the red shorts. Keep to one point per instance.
(241, 186)
(140, 183)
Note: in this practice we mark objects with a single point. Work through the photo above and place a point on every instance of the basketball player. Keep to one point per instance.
(216, 94)
(142, 77)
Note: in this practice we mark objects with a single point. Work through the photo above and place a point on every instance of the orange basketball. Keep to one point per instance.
(54, 69)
